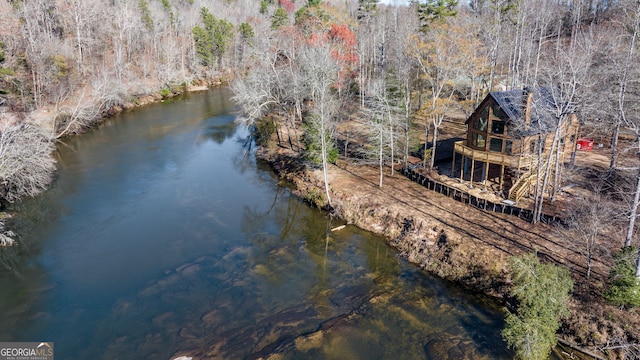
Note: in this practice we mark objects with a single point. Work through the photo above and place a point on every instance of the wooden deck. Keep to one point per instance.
(514, 161)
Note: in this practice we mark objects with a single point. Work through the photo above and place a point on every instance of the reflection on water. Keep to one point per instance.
(162, 237)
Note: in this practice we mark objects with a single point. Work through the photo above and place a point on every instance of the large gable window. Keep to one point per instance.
(480, 123)
(498, 112)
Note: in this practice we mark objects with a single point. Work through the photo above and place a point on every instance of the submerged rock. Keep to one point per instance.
(190, 270)
(312, 341)
(186, 334)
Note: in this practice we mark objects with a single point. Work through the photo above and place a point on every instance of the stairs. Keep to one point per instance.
(522, 185)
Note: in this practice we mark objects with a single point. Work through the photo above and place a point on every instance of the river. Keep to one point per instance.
(163, 236)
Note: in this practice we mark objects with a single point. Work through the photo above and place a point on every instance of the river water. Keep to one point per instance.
(163, 236)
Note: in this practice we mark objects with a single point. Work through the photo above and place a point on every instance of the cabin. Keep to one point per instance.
(510, 135)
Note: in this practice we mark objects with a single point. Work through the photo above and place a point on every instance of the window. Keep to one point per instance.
(532, 147)
(508, 147)
(498, 112)
(495, 144)
(478, 140)
(480, 124)
(497, 127)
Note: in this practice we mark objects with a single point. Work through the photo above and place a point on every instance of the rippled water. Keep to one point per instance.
(163, 236)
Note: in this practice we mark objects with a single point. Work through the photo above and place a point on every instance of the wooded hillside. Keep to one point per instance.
(78, 58)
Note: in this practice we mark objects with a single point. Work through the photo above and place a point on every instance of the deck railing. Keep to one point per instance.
(515, 161)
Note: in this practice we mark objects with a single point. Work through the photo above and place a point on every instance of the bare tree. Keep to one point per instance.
(588, 221)
(564, 76)
(26, 162)
(254, 94)
(382, 121)
(628, 114)
(401, 68)
(87, 109)
(443, 56)
(79, 16)
(321, 74)
(628, 65)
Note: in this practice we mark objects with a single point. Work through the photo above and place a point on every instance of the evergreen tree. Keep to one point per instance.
(625, 287)
(246, 31)
(541, 292)
(212, 40)
(4, 72)
(146, 14)
(279, 18)
(204, 43)
(430, 11)
(313, 143)
(263, 7)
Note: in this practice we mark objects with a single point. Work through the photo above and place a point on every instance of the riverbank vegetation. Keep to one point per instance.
(542, 292)
(361, 85)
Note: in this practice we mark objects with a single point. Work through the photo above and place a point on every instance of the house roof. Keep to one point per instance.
(543, 108)
(511, 102)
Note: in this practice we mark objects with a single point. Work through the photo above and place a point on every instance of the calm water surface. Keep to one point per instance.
(162, 236)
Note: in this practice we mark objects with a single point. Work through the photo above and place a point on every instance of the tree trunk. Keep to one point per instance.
(426, 144)
(545, 183)
(634, 213)
(407, 109)
(433, 146)
(623, 86)
(537, 212)
(295, 129)
(614, 146)
(557, 175)
(538, 188)
(380, 153)
(323, 143)
(286, 124)
(391, 142)
(275, 125)
(589, 257)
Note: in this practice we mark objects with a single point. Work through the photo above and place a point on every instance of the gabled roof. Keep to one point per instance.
(513, 102)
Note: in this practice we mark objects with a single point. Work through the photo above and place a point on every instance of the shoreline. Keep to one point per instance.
(42, 115)
(431, 231)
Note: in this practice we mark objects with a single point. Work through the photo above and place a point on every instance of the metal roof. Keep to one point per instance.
(511, 102)
(544, 107)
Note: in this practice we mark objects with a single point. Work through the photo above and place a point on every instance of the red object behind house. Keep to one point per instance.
(585, 144)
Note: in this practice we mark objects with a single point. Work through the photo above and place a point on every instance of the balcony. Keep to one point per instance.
(492, 157)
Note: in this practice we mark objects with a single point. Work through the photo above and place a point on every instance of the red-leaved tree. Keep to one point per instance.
(344, 50)
(287, 5)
